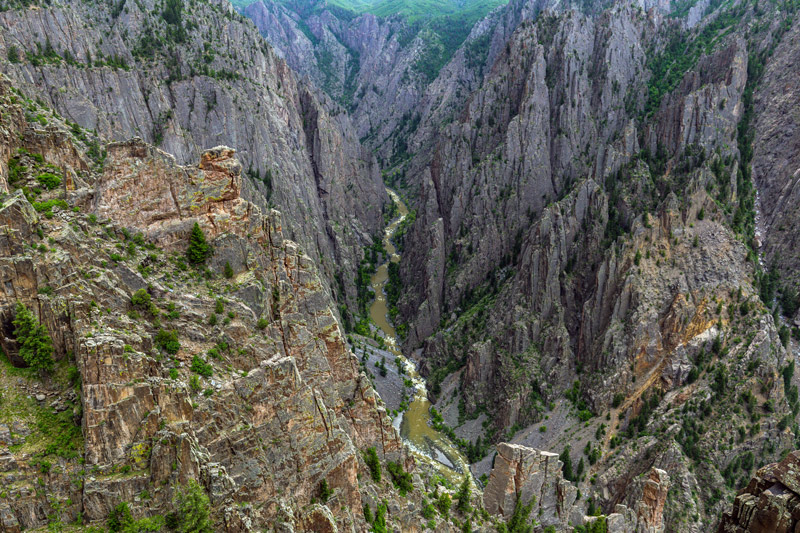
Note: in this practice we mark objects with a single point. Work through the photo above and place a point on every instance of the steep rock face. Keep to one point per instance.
(770, 502)
(776, 158)
(585, 255)
(143, 188)
(383, 68)
(369, 64)
(649, 496)
(281, 404)
(706, 107)
(516, 148)
(131, 72)
(445, 97)
(522, 475)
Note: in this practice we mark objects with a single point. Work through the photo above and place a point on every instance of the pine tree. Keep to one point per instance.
(463, 496)
(120, 518)
(192, 509)
(567, 460)
(374, 465)
(35, 346)
(199, 249)
(379, 524)
(324, 491)
(13, 54)
(368, 514)
(228, 270)
(579, 471)
(520, 521)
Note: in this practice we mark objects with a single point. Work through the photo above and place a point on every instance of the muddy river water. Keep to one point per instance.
(415, 423)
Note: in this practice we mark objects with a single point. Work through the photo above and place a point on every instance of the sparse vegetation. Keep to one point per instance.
(167, 341)
(33, 339)
(374, 465)
(192, 510)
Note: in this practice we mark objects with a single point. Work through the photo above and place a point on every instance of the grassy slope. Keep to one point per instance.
(470, 10)
(467, 10)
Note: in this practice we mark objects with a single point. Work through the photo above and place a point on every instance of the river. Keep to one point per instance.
(415, 423)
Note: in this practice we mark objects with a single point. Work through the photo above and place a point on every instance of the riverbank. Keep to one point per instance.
(395, 377)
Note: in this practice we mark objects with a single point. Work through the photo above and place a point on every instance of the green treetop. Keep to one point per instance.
(35, 346)
(199, 249)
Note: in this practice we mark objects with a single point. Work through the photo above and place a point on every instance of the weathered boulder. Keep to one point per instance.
(521, 474)
(770, 502)
(144, 189)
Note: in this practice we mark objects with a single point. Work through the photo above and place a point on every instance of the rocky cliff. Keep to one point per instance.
(598, 275)
(377, 67)
(769, 502)
(776, 167)
(590, 280)
(166, 373)
(524, 476)
(199, 75)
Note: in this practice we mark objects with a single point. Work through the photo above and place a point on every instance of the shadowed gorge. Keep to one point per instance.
(305, 266)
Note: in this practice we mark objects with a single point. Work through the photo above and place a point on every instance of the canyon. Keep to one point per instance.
(298, 266)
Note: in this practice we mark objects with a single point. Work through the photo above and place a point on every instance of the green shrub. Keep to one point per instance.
(379, 524)
(46, 208)
(173, 313)
(427, 509)
(443, 503)
(368, 514)
(400, 478)
(228, 270)
(141, 298)
(600, 525)
(201, 367)
(520, 520)
(262, 323)
(61, 436)
(13, 54)
(618, 399)
(48, 180)
(325, 491)
(192, 509)
(374, 465)
(35, 346)
(167, 341)
(120, 518)
(152, 523)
